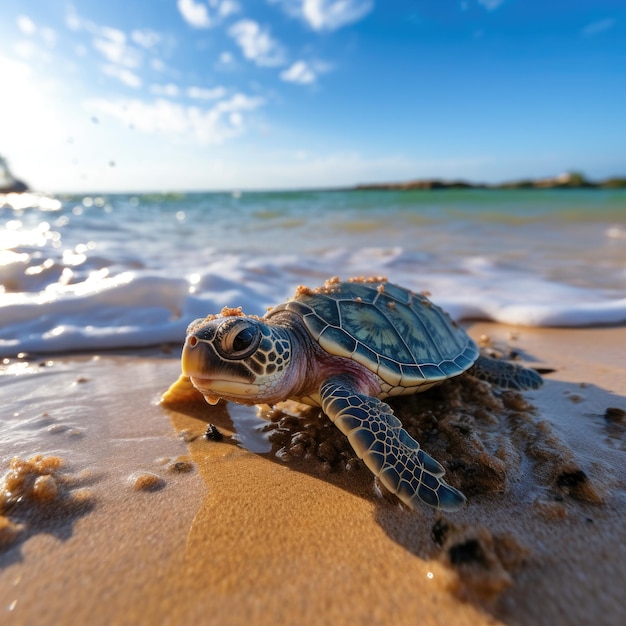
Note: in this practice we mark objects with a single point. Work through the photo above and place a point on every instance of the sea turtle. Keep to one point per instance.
(345, 346)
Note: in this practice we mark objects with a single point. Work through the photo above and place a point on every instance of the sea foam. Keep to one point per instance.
(139, 309)
(122, 272)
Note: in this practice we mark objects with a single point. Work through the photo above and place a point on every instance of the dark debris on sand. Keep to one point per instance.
(483, 436)
(484, 562)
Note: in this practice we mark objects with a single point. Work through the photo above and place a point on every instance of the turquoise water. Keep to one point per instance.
(103, 271)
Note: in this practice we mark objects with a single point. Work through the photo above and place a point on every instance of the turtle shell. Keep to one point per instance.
(399, 335)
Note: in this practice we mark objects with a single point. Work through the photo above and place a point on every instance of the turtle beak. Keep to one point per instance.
(195, 356)
(194, 360)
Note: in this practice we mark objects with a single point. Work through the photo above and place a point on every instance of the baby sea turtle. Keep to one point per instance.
(346, 346)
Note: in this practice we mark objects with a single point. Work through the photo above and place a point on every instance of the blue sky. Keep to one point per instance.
(118, 95)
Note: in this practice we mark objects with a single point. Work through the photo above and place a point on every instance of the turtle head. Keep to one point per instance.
(237, 358)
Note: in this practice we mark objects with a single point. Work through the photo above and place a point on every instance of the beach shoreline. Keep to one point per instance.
(228, 536)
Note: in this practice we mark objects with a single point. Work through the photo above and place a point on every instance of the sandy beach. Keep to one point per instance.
(144, 520)
(368, 178)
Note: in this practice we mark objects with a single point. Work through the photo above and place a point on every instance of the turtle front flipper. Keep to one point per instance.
(378, 438)
(504, 374)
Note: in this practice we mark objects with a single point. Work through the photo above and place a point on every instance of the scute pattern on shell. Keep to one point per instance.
(398, 334)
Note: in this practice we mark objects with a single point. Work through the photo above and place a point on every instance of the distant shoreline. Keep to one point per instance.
(564, 181)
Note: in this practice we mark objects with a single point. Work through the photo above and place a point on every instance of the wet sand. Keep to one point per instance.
(145, 520)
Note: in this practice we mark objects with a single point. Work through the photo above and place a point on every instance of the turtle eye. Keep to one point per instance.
(238, 340)
(243, 339)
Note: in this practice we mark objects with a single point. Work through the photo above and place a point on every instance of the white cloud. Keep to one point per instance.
(45, 34)
(125, 54)
(197, 14)
(113, 34)
(257, 44)
(203, 126)
(200, 93)
(112, 45)
(491, 5)
(300, 72)
(226, 62)
(236, 119)
(123, 74)
(48, 36)
(115, 45)
(305, 72)
(145, 38)
(77, 23)
(331, 15)
(26, 25)
(194, 13)
(29, 50)
(598, 27)
(157, 65)
(239, 102)
(123, 59)
(170, 90)
(72, 20)
(327, 14)
(226, 7)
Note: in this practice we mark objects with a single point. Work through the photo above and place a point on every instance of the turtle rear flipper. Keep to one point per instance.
(378, 438)
(504, 374)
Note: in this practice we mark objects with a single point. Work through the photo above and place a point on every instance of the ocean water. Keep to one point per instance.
(87, 273)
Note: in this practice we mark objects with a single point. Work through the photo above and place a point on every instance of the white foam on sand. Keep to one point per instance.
(138, 308)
